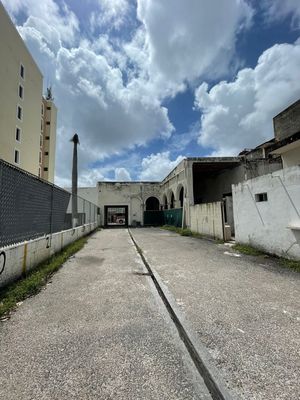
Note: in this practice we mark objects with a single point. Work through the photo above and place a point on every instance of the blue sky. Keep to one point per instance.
(147, 82)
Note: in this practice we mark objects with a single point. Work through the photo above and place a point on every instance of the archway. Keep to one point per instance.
(152, 204)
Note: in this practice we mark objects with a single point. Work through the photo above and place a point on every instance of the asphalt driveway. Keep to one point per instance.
(245, 310)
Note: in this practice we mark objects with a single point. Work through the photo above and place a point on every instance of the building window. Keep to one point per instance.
(42, 125)
(41, 140)
(19, 113)
(22, 71)
(42, 109)
(18, 134)
(40, 172)
(40, 157)
(45, 169)
(21, 92)
(49, 108)
(261, 197)
(48, 123)
(47, 137)
(17, 157)
(46, 153)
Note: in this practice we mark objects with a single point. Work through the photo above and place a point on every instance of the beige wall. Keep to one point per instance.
(207, 219)
(13, 53)
(49, 140)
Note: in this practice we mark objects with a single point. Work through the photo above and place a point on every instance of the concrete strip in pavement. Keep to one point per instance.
(200, 356)
(98, 331)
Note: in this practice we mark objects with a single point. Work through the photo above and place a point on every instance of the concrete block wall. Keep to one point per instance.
(272, 225)
(207, 219)
(287, 122)
(17, 259)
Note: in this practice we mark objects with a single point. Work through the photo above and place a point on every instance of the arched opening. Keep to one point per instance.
(181, 195)
(152, 204)
(165, 202)
(172, 202)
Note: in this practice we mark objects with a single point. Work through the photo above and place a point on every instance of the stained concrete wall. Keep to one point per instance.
(131, 194)
(217, 186)
(17, 259)
(272, 225)
(207, 219)
(287, 122)
(291, 157)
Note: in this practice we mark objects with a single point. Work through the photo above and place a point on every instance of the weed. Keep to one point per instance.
(248, 250)
(295, 265)
(181, 231)
(36, 278)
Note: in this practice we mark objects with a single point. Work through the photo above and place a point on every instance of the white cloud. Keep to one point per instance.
(157, 166)
(111, 92)
(188, 39)
(121, 174)
(239, 114)
(279, 9)
(111, 13)
(49, 12)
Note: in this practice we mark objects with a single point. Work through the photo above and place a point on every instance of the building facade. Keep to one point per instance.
(48, 140)
(22, 105)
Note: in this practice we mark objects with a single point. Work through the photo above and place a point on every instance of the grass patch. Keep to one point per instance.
(295, 265)
(36, 278)
(248, 250)
(181, 231)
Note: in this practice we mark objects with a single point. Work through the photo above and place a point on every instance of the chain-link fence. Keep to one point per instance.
(31, 207)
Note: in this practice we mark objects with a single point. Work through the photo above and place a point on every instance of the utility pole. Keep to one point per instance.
(75, 140)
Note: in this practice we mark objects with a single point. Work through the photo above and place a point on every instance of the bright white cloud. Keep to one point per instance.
(49, 12)
(278, 9)
(121, 174)
(157, 166)
(239, 114)
(188, 39)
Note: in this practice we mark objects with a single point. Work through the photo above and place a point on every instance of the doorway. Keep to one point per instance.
(116, 216)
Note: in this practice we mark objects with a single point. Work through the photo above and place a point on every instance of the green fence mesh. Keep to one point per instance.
(164, 217)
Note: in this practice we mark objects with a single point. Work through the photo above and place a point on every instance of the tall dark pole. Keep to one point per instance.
(75, 140)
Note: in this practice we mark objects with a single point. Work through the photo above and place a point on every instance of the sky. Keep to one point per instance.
(145, 83)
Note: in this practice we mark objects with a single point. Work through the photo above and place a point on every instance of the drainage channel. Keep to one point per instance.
(208, 372)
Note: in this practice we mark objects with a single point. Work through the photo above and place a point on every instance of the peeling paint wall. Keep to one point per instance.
(267, 212)
(207, 219)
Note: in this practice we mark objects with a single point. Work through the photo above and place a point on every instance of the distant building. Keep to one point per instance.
(27, 126)
(48, 140)
(287, 135)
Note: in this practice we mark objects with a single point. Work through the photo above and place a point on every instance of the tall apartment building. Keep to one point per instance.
(27, 126)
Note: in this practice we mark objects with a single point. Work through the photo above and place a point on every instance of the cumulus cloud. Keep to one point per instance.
(188, 39)
(121, 174)
(157, 166)
(49, 12)
(239, 114)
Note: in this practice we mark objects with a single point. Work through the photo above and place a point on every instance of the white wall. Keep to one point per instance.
(207, 219)
(268, 225)
(25, 256)
(292, 157)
